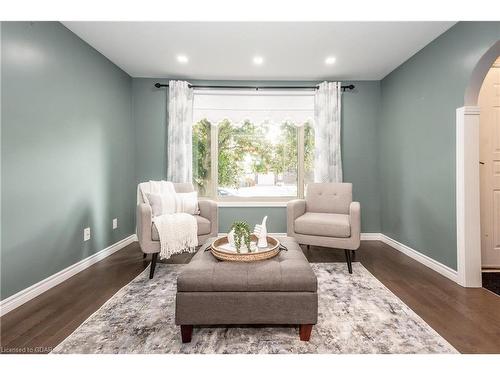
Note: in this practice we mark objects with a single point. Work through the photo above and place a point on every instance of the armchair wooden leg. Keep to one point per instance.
(186, 333)
(348, 259)
(353, 255)
(144, 255)
(153, 265)
(305, 332)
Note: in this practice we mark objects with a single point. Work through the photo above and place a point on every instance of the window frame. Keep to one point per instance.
(276, 201)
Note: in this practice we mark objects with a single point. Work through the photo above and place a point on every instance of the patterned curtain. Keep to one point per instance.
(327, 153)
(179, 132)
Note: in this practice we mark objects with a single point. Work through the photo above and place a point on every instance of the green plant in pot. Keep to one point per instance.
(241, 232)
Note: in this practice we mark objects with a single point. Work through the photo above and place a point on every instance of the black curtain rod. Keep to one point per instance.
(349, 87)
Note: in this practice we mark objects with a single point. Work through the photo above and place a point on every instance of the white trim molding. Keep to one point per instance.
(371, 237)
(23, 296)
(223, 203)
(427, 261)
(467, 197)
(433, 264)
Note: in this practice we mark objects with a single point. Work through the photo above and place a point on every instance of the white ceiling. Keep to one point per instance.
(291, 50)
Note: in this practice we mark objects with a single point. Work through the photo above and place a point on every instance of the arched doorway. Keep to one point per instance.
(467, 175)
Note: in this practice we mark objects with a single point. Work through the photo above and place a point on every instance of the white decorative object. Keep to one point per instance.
(327, 155)
(179, 131)
(260, 231)
(230, 239)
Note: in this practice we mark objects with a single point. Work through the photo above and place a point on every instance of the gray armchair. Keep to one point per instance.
(327, 217)
(149, 240)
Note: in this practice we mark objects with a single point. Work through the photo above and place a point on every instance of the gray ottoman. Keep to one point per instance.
(281, 290)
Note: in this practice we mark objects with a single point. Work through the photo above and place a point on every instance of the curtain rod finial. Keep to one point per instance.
(157, 85)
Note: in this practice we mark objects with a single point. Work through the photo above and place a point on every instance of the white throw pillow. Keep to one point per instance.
(188, 203)
(161, 204)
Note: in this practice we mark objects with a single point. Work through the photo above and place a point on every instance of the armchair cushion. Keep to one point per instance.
(323, 224)
(161, 204)
(204, 227)
(187, 203)
(203, 224)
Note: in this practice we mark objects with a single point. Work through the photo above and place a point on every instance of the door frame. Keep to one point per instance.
(467, 176)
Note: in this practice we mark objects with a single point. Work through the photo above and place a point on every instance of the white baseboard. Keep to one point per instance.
(371, 237)
(23, 296)
(421, 258)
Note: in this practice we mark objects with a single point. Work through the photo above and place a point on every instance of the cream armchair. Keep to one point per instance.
(327, 217)
(149, 240)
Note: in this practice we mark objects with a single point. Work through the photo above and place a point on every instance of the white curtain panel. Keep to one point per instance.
(327, 154)
(179, 132)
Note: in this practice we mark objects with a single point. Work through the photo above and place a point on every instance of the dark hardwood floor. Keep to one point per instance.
(468, 318)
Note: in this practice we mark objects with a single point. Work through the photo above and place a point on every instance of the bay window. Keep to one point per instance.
(252, 145)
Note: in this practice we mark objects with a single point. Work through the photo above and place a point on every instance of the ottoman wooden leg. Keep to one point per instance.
(305, 332)
(186, 333)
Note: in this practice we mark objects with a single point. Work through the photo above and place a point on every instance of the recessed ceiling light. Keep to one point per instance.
(183, 59)
(258, 60)
(330, 60)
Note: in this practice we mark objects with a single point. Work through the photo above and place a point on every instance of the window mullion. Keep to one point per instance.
(214, 160)
(300, 162)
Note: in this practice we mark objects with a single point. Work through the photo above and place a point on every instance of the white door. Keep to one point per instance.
(489, 101)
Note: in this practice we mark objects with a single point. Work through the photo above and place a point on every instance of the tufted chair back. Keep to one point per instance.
(329, 197)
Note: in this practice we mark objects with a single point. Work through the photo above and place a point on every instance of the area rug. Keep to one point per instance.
(357, 314)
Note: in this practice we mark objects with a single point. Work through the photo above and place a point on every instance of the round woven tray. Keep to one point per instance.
(272, 249)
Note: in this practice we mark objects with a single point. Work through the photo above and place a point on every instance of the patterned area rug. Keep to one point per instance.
(357, 314)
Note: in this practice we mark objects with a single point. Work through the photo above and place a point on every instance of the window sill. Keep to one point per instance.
(251, 204)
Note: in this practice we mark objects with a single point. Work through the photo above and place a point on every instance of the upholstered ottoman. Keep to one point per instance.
(281, 290)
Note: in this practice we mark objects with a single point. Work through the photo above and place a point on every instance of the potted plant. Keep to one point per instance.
(240, 230)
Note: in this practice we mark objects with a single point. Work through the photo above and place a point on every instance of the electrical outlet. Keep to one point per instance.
(115, 223)
(86, 234)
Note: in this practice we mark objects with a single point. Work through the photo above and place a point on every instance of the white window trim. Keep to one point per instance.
(251, 203)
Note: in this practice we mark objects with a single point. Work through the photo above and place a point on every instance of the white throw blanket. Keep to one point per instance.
(177, 231)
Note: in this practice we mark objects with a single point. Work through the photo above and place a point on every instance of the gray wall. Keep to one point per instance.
(67, 152)
(417, 139)
(360, 111)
